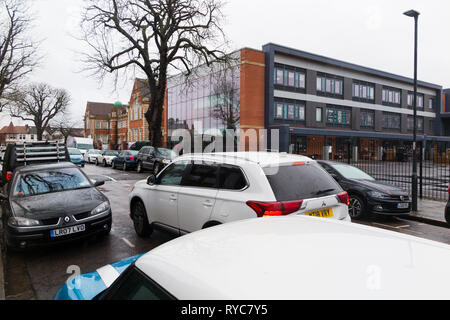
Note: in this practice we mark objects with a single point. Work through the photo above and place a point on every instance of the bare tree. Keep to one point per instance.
(18, 51)
(40, 104)
(65, 127)
(154, 37)
(226, 102)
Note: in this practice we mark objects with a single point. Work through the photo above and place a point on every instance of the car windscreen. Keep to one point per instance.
(74, 152)
(84, 146)
(350, 172)
(49, 181)
(95, 152)
(133, 153)
(167, 154)
(300, 182)
(111, 153)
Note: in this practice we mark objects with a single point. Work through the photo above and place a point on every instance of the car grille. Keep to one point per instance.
(82, 216)
(50, 222)
(399, 198)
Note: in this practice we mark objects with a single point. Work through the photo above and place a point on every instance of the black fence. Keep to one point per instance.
(392, 162)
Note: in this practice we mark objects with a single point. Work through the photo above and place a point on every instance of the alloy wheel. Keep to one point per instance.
(355, 207)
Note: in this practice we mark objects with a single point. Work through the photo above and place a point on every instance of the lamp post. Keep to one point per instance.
(414, 14)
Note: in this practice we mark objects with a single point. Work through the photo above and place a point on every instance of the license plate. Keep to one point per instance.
(324, 213)
(403, 205)
(67, 231)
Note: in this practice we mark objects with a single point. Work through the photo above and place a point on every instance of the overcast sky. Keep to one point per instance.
(375, 34)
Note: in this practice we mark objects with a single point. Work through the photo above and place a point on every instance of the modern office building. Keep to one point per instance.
(317, 103)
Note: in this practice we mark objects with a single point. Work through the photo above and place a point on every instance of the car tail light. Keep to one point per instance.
(344, 198)
(8, 175)
(271, 209)
(131, 158)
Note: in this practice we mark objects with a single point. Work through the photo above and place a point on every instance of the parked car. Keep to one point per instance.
(125, 160)
(447, 208)
(82, 144)
(198, 191)
(367, 195)
(154, 159)
(106, 157)
(76, 157)
(47, 199)
(279, 258)
(91, 155)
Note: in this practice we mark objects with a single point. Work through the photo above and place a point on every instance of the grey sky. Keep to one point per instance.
(370, 33)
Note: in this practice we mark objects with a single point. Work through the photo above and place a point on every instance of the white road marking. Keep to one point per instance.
(128, 243)
(112, 179)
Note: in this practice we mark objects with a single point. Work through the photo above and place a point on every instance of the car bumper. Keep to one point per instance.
(388, 208)
(78, 162)
(23, 238)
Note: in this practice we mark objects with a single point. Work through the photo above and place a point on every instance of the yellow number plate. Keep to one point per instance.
(325, 213)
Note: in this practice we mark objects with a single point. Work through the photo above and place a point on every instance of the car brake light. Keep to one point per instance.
(344, 198)
(131, 158)
(271, 209)
(8, 175)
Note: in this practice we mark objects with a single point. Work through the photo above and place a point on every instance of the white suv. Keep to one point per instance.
(198, 191)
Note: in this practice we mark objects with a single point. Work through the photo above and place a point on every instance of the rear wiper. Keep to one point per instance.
(323, 191)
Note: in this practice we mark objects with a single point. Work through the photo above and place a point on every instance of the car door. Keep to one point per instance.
(147, 158)
(119, 160)
(161, 198)
(197, 195)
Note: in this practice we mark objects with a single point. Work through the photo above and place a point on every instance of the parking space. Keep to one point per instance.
(38, 274)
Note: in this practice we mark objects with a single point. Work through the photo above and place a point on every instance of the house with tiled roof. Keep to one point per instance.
(12, 134)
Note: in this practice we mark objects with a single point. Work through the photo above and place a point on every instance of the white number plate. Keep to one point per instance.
(403, 205)
(67, 231)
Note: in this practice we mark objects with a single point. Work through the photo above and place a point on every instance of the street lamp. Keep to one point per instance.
(414, 14)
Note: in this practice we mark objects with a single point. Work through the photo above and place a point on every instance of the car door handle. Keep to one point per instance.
(208, 203)
(173, 198)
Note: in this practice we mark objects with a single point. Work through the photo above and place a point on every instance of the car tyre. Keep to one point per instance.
(357, 207)
(140, 220)
(156, 168)
(124, 167)
(139, 168)
(447, 216)
(113, 165)
(105, 164)
(96, 162)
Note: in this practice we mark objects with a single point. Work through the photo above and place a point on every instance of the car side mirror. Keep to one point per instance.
(99, 183)
(151, 181)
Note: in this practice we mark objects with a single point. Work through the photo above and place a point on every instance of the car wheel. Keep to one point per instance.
(96, 161)
(125, 167)
(104, 163)
(447, 216)
(113, 165)
(139, 167)
(140, 220)
(357, 207)
(156, 168)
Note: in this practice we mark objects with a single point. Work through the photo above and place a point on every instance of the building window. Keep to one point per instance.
(330, 85)
(391, 96)
(363, 91)
(336, 116)
(318, 114)
(367, 119)
(410, 125)
(289, 78)
(98, 124)
(32, 137)
(292, 110)
(420, 100)
(391, 121)
(431, 103)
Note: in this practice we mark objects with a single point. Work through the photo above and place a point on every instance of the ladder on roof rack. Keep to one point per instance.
(28, 152)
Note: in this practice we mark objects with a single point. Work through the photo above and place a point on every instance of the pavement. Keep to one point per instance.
(431, 212)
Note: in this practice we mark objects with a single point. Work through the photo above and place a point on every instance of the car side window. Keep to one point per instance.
(328, 169)
(173, 175)
(231, 178)
(203, 175)
(136, 286)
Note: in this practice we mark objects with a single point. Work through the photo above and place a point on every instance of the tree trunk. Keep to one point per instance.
(154, 116)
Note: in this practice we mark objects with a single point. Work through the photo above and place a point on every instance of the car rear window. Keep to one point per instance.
(300, 182)
(231, 178)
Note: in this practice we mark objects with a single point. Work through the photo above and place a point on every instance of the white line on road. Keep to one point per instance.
(128, 243)
(112, 179)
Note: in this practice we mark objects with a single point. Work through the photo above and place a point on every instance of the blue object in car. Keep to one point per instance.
(88, 286)
(76, 157)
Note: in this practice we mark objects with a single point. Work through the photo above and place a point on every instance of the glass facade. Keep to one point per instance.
(211, 101)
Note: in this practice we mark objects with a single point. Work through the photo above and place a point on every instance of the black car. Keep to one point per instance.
(447, 208)
(125, 160)
(49, 202)
(154, 159)
(368, 196)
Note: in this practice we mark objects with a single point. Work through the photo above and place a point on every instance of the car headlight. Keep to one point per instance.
(165, 161)
(23, 222)
(378, 195)
(101, 208)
